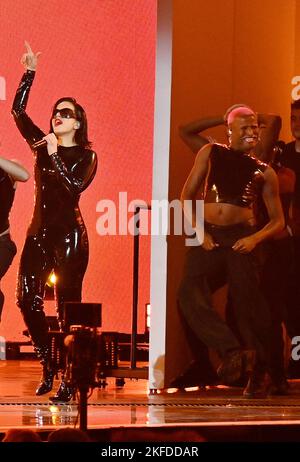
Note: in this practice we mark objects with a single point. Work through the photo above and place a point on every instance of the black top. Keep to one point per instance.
(291, 158)
(59, 178)
(261, 212)
(7, 194)
(234, 177)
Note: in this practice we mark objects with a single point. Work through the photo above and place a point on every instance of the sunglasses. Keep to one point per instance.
(65, 113)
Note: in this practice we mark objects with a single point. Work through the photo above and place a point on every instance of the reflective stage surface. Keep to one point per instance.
(132, 406)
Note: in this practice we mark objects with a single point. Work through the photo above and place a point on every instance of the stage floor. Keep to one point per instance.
(132, 405)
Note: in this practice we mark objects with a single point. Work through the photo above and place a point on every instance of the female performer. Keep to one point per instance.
(57, 238)
(10, 173)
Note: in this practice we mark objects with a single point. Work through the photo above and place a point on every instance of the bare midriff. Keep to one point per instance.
(227, 214)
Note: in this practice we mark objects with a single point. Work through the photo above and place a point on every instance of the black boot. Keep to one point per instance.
(64, 393)
(46, 383)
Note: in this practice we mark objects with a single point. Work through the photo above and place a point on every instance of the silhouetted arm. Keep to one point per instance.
(191, 133)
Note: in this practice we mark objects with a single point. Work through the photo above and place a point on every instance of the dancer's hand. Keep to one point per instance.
(30, 59)
(245, 245)
(208, 242)
(51, 143)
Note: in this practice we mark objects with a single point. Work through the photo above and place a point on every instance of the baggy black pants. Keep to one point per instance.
(241, 271)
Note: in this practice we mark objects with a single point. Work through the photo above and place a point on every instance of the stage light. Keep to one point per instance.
(51, 279)
(50, 283)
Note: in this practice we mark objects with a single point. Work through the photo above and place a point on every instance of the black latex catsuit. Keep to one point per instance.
(57, 237)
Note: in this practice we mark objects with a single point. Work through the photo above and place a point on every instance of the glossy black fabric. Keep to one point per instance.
(234, 178)
(57, 237)
(7, 194)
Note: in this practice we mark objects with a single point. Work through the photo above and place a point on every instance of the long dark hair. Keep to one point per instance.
(81, 134)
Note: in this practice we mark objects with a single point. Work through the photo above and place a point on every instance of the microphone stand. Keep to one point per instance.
(83, 403)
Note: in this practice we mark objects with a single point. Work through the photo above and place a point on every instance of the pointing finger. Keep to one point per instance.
(28, 47)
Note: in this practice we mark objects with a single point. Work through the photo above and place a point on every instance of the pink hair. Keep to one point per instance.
(239, 112)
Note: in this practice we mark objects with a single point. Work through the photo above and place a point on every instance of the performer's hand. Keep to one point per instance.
(245, 245)
(208, 242)
(51, 143)
(30, 59)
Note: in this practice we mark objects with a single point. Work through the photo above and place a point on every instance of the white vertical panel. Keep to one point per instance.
(160, 185)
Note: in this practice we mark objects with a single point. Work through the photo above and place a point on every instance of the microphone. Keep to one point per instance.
(39, 144)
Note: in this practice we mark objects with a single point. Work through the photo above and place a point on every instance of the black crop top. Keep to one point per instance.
(234, 177)
(7, 194)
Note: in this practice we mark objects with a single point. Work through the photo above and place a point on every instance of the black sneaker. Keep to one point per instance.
(257, 386)
(230, 369)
